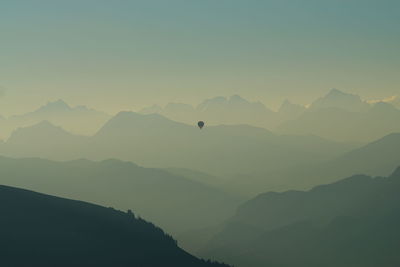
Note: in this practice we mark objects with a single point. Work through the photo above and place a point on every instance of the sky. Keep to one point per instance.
(124, 55)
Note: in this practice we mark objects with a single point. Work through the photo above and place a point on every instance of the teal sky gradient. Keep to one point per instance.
(122, 54)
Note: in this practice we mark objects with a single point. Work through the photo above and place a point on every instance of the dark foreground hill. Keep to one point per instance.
(353, 222)
(42, 230)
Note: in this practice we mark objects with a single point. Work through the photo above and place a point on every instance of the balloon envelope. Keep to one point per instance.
(200, 124)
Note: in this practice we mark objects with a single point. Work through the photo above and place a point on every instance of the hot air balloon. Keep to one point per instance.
(200, 124)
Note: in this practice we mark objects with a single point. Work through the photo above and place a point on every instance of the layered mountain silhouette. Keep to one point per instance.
(174, 202)
(341, 125)
(353, 222)
(377, 158)
(44, 140)
(42, 230)
(338, 116)
(252, 158)
(218, 110)
(290, 111)
(78, 120)
(345, 117)
(153, 140)
(235, 110)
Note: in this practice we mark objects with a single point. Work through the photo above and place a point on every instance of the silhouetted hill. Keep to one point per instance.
(353, 222)
(44, 140)
(42, 230)
(170, 200)
(40, 132)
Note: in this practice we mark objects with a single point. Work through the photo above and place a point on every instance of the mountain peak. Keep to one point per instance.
(288, 107)
(37, 133)
(44, 126)
(129, 121)
(212, 102)
(129, 115)
(338, 93)
(237, 98)
(56, 105)
(335, 91)
(339, 99)
(286, 103)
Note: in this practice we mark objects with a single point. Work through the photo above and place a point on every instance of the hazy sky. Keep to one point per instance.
(122, 54)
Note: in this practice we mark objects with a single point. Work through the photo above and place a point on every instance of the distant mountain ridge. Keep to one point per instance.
(288, 110)
(42, 230)
(377, 158)
(341, 125)
(345, 117)
(338, 99)
(217, 110)
(338, 115)
(79, 119)
(153, 140)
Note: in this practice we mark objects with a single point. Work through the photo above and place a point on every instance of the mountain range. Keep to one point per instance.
(155, 141)
(340, 100)
(250, 159)
(217, 110)
(337, 116)
(190, 181)
(343, 125)
(43, 230)
(78, 120)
